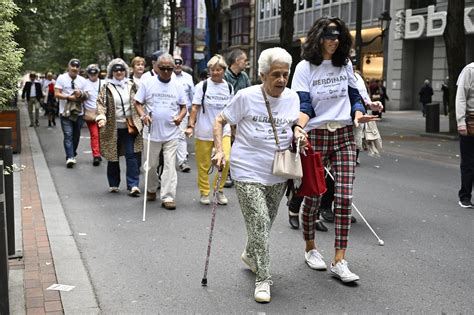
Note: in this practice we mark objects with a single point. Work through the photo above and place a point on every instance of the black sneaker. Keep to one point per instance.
(465, 203)
(96, 161)
(353, 219)
(320, 226)
(327, 215)
(294, 220)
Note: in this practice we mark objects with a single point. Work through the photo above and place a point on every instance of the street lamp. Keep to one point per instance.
(384, 24)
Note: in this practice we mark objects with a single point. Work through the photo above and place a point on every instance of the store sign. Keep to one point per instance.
(410, 26)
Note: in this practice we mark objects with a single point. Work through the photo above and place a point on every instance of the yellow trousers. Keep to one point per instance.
(203, 163)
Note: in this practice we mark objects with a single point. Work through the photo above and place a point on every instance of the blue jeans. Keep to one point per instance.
(125, 140)
(72, 134)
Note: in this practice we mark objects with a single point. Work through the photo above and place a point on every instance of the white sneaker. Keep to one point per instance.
(315, 260)
(70, 162)
(249, 262)
(262, 291)
(221, 198)
(134, 192)
(341, 271)
(205, 200)
(114, 189)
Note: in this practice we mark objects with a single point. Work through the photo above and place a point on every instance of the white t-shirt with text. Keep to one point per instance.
(328, 88)
(216, 98)
(254, 147)
(163, 100)
(92, 89)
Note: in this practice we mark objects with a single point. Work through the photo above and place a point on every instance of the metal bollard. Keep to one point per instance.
(6, 154)
(432, 117)
(4, 303)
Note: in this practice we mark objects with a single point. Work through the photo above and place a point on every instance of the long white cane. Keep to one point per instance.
(381, 242)
(147, 164)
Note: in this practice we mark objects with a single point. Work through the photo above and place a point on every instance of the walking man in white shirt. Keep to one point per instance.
(163, 97)
(188, 85)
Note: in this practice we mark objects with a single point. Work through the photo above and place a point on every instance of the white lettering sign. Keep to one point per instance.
(414, 25)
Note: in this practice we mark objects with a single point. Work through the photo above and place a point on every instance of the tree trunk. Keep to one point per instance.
(213, 8)
(172, 4)
(455, 43)
(108, 31)
(287, 28)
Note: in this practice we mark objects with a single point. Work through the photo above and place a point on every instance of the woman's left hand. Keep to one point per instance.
(219, 159)
(300, 134)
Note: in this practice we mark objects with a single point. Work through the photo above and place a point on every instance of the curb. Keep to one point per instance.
(439, 136)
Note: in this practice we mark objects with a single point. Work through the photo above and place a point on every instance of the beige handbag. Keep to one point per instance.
(286, 164)
(90, 115)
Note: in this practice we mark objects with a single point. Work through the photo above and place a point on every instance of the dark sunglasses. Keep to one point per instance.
(118, 69)
(331, 37)
(72, 85)
(178, 62)
(166, 69)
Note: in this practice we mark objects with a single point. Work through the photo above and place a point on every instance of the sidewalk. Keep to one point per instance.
(50, 253)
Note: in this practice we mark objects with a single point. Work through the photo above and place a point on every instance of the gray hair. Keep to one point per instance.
(270, 56)
(114, 62)
(217, 60)
(165, 57)
(234, 55)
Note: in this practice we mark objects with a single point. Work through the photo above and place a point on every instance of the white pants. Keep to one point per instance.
(182, 150)
(169, 178)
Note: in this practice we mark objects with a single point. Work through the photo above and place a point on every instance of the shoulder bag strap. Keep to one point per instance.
(270, 116)
(121, 100)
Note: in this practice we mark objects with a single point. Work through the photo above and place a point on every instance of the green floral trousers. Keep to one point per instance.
(259, 204)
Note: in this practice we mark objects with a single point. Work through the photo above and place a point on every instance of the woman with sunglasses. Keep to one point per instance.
(329, 103)
(211, 96)
(114, 108)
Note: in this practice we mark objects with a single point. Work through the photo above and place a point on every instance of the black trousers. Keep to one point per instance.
(326, 201)
(466, 145)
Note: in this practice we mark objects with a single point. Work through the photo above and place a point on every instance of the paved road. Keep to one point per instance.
(157, 266)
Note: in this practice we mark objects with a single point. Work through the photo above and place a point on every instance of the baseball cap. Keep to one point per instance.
(74, 62)
(154, 56)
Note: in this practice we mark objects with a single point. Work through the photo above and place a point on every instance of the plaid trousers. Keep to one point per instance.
(338, 149)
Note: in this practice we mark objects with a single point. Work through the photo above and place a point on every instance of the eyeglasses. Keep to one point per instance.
(178, 62)
(166, 69)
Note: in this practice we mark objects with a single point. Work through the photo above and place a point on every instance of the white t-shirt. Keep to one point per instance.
(147, 75)
(252, 153)
(64, 82)
(328, 88)
(92, 88)
(187, 81)
(163, 100)
(216, 98)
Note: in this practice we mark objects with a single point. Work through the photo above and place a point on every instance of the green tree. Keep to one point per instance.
(10, 54)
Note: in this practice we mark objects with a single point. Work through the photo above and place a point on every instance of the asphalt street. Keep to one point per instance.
(409, 196)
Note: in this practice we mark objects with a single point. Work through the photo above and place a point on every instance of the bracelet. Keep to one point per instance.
(294, 126)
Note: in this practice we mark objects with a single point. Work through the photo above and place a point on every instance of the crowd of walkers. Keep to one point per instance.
(233, 125)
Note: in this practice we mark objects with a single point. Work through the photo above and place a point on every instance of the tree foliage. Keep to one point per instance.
(455, 53)
(10, 54)
(95, 31)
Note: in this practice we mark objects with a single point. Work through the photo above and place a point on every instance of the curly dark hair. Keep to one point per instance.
(312, 48)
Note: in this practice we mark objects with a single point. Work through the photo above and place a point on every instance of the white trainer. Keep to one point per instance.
(221, 198)
(262, 291)
(341, 271)
(70, 162)
(315, 260)
(249, 261)
(205, 200)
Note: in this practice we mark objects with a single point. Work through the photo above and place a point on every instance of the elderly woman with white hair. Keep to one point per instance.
(115, 113)
(210, 98)
(258, 190)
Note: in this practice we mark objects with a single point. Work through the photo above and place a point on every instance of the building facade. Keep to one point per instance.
(417, 50)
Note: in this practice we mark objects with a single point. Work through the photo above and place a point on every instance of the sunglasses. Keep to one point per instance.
(166, 69)
(178, 62)
(118, 70)
(72, 85)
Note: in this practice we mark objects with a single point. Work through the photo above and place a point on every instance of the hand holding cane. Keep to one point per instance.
(147, 167)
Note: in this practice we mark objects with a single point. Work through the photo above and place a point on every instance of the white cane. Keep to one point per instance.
(381, 242)
(146, 171)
